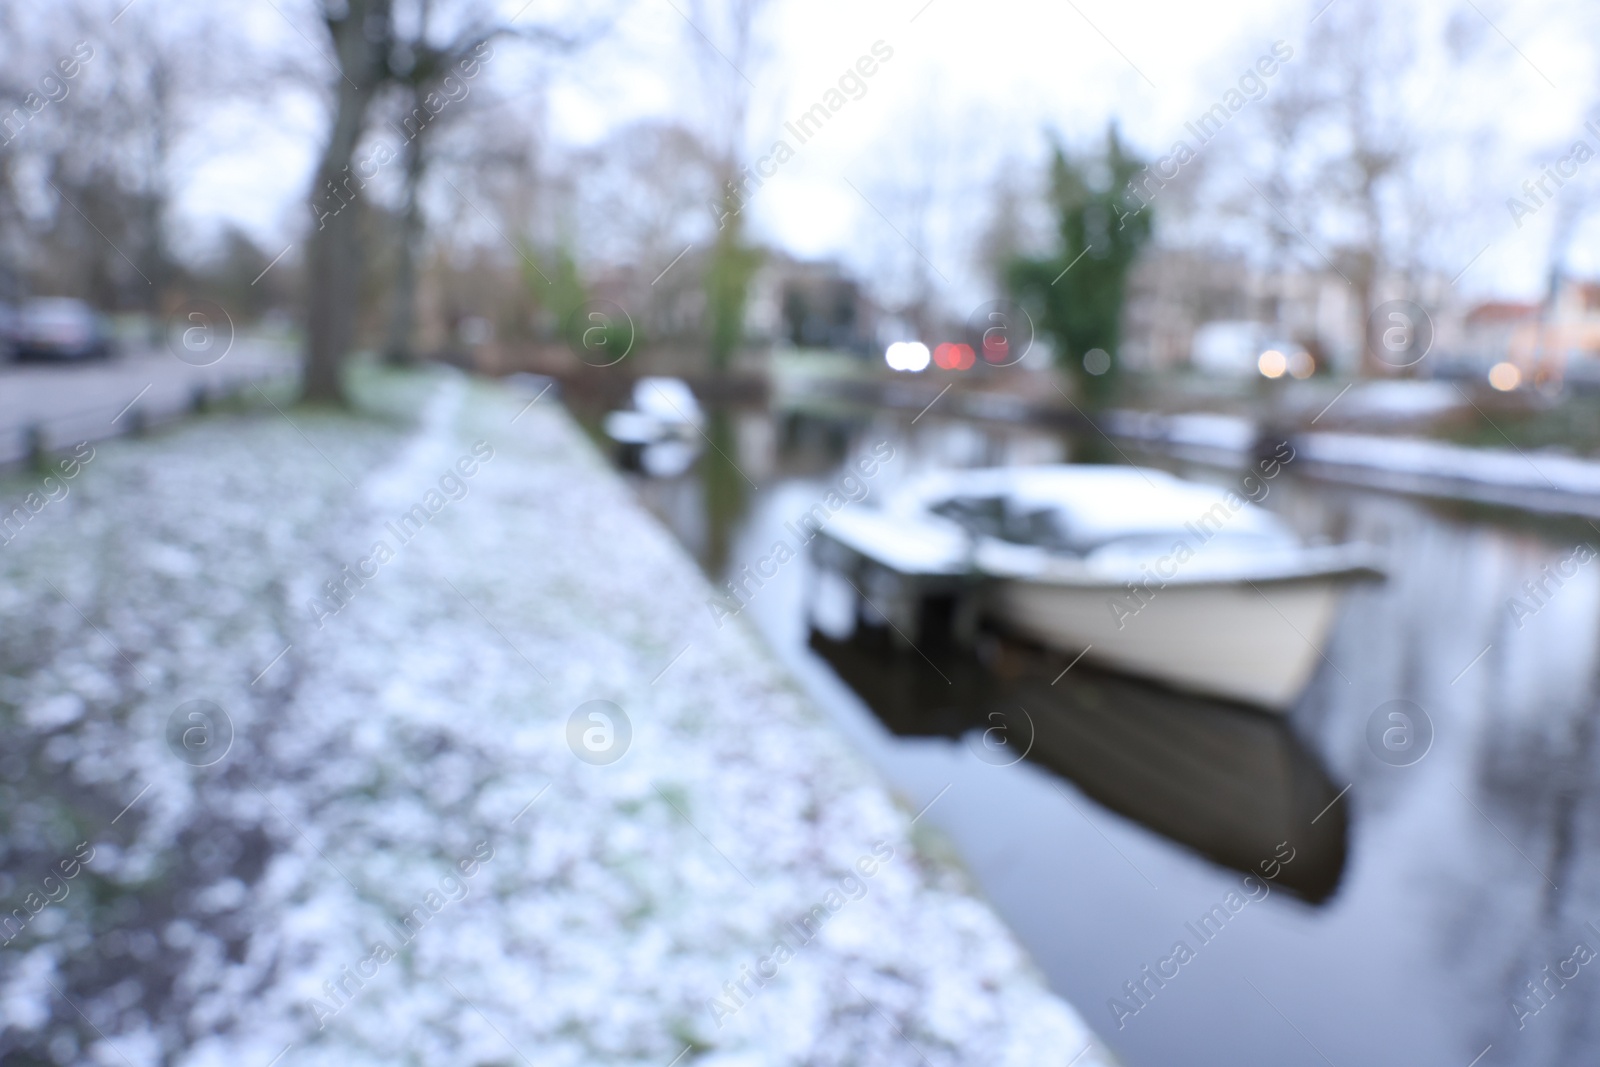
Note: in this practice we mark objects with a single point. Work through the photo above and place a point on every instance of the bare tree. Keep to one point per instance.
(1340, 147)
(397, 350)
(726, 34)
(378, 46)
(1342, 174)
(362, 37)
(90, 157)
(434, 79)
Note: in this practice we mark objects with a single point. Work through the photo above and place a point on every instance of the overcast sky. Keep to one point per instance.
(977, 82)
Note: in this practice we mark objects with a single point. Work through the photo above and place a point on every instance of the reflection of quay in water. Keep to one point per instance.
(1225, 781)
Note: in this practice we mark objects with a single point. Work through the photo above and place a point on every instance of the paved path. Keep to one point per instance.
(71, 402)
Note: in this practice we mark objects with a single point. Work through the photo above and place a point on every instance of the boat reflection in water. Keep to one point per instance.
(1227, 781)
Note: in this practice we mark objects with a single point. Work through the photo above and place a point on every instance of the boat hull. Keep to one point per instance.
(1256, 642)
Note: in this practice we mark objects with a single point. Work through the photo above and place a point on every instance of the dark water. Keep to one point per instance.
(1406, 908)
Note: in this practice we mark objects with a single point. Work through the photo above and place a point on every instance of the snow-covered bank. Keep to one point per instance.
(403, 855)
(1201, 437)
(1537, 480)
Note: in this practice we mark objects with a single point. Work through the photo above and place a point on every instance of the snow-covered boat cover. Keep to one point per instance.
(1085, 523)
(1092, 504)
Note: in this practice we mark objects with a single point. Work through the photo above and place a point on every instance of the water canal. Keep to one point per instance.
(1410, 896)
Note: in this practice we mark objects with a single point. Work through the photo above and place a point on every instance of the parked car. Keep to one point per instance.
(60, 328)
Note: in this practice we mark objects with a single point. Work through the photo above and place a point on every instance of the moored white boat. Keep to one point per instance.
(661, 433)
(1138, 570)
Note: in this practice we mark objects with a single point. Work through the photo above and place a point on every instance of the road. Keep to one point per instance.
(71, 402)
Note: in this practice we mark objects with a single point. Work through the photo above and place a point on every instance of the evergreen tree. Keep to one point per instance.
(1077, 293)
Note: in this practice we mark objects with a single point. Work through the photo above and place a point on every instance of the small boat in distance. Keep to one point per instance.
(1189, 584)
(661, 434)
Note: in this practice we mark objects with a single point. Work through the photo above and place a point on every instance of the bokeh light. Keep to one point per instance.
(950, 356)
(1505, 376)
(907, 355)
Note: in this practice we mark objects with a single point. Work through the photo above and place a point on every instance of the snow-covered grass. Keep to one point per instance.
(409, 756)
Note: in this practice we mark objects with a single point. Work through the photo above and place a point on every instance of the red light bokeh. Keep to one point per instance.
(953, 356)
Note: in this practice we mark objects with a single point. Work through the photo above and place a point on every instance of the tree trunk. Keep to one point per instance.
(731, 265)
(1366, 283)
(360, 38)
(398, 351)
(158, 200)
